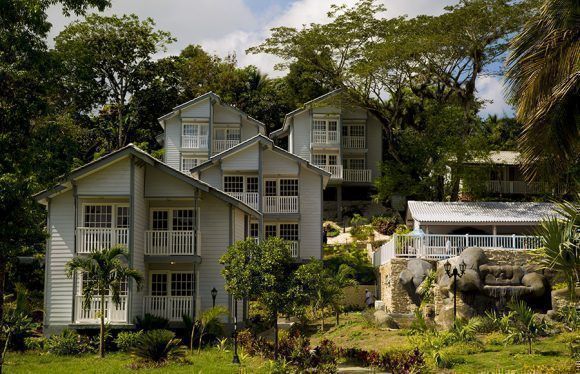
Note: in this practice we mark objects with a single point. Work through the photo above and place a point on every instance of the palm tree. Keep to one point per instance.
(560, 239)
(344, 277)
(210, 319)
(524, 326)
(105, 272)
(543, 82)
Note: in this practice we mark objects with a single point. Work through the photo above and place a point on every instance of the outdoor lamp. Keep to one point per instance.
(447, 267)
(462, 267)
(213, 295)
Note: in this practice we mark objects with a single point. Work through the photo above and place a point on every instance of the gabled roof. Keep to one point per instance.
(499, 158)
(265, 141)
(66, 181)
(305, 106)
(480, 212)
(208, 95)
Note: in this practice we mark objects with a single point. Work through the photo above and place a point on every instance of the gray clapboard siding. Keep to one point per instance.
(246, 159)
(172, 143)
(212, 176)
(310, 214)
(301, 130)
(113, 180)
(276, 164)
(59, 288)
(374, 145)
(222, 114)
(197, 110)
(249, 129)
(141, 218)
(160, 184)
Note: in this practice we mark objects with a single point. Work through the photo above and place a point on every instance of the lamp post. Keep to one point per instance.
(213, 295)
(455, 274)
(236, 359)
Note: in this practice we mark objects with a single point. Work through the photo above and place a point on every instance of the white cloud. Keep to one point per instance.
(491, 90)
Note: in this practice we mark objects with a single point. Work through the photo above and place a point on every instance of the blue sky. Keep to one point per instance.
(231, 26)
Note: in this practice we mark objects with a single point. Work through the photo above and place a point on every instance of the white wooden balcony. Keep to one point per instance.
(171, 307)
(281, 204)
(194, 141)
(357, 175)
(325, 137)
(441, 246)
(170, 243)
(354, 142)
(91, 313)
(334, 170)
(249, 198)
(517, 187)
(222, 145)
(92, 239)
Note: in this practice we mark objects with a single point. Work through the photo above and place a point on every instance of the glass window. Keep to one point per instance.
(270, 231)
(319, 159)
(289, 231)
(183, 219)
(251, 184)
(158, 284)
(188, 163)
(254, 232)
(98, 216)
(288, 187)
(357, 130)
(122, 216)
(319, 125)
(234, 183)
(354, 163)
(332, 125)
(160, 220)
(182, 284)
(271, 188)
(332, 160)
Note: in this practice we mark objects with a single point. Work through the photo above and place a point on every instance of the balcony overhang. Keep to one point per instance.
(184, 259)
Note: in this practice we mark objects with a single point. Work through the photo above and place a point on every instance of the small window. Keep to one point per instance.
(160, 220)
(289, 231)
(122, 216)
(188, 163)
(319, 125)
(270, 231)
(182, 284)
(288, 187)
(252, 184)
(183, 219)
(158, 284)
(354, 163)
(319, 160)
(234, 183)
(98, 216)
(254, 231)
(357, 130)
(271, 188)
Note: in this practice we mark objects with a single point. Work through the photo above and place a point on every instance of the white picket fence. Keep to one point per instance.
(440, 246)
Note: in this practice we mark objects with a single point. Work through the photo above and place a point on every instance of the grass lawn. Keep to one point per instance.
(208, 361)
(551, 355)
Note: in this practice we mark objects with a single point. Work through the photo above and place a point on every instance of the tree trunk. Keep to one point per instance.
(275, 335)
(2, 285)
(322, 319)
(337, 318)
(6, 342)
(530, 346)
(102, 331)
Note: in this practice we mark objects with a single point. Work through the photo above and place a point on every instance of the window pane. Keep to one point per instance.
(319, 159)
(122, 216)
(357, 163)
(319, 125)
(254, 230)
(289, 231)
(270, 231)
(234, 184)
(271, 189)
(233, 134)
(183, 219)
(252, 184)
(158, 284)
(189, 129)
(98, 216)
(288, 187)
(357, 130)
(188, 163)
(160, 220)
(332, 125)
(332, 160)
(182, 284)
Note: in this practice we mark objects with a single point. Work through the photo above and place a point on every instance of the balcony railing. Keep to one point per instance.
(357, 175)
(92, 239)
(194, 141)
(91, 313)
(334, 170)
(222, 145)
(250, 198)
(325, 137)
(281, 204)
(354, 142)
(172, 308)
(294, 248)
(441, 246)
(518, 187)
(170, 243)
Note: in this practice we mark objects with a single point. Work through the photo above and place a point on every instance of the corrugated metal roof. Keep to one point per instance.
(480, 212)
(500, 158)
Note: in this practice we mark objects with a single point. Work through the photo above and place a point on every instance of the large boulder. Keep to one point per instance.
(536, 284)
(445, 317)
(473, 258)
(413, 276)
(383, 319)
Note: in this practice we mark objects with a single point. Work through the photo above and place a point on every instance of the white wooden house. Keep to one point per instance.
(341, 138)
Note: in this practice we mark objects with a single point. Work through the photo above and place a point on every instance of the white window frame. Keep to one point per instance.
(114, 214)
(195, 125)
(197, 161)
(278, 183)
(244, 183)
(326, 159)
(169, 289)
(170, 215)
(278, 231)
(347, 128)
(326, 121)
(229, 133)
(347, 163)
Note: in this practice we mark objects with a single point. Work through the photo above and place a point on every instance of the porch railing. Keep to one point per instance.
(518, 187)
(354, 142)
(171, 307)
(281, 204)
(91, 239)
(440, 246)
(91, 313)
(294, 248)
(222, 145)
(334, 170)
(357, 175)
(170, 243)
(250, 198)
(325, 137)
(194, 141)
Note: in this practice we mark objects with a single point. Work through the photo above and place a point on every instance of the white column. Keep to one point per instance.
(494, 229)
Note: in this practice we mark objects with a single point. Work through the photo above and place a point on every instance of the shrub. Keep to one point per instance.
(569, 316)
(158, 346)
(385, 225)
(392, 362)
(35, 343)
(127, 340)
(68, 343)
(332, 229)
(402, 229)
(150, 322)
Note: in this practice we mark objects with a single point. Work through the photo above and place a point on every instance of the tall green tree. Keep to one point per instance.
(104, 272)
(543, 79)
(105, 62)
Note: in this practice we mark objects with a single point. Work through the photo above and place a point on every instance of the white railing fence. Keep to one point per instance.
(250, 198)
(281, 204)
(171, 307)
(91, 313)
(357, 175)
(325, 137)
(194, 141)
(334, 170)
(353, 142)
(440, 246)
(91, 239)
(294, 248)
(222, 145)
(521, 187)
(169, 243)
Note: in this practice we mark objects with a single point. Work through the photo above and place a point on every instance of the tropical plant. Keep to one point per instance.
(151, 322)
(210, 322)
(14, 323)
(465, 331)
(525, 326)
(68, 342)
(425, 289)
(127, 340)
(543, 79)
(158, 346)
(104, 272)
(560, 238)
(343, 278)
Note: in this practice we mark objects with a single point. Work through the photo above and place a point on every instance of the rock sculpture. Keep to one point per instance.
(412, 277)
